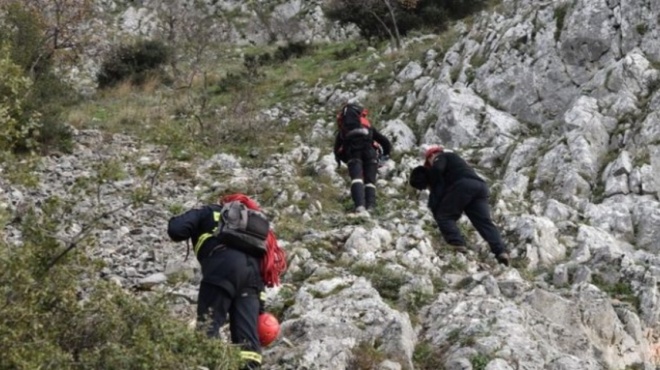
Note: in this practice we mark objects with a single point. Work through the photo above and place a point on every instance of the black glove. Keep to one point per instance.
(418, 178)
(503, 258)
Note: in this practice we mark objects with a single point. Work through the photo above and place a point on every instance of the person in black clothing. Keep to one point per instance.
(231, 281)
(359, 150)
(456, 188)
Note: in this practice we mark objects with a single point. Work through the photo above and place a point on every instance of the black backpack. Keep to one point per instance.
(242, 228)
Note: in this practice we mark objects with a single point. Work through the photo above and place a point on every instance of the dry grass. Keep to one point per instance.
(211, 109)
(125, 108)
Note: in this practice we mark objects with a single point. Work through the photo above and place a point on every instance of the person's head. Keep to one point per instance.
(431, 153)
(418, 178)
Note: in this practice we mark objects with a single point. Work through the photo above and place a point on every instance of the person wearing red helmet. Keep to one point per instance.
(239, 256)
(455, 188)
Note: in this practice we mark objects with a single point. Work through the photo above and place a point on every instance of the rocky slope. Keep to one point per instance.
(555, 102)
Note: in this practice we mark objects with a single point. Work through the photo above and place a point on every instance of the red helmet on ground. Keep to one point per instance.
(268, 328)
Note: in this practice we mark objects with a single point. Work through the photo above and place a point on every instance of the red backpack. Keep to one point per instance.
(352, 121)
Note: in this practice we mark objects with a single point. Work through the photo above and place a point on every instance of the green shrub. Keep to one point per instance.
(17, 126)
(37, 109)
(366, 19)
(50, 96)
(62, 317)
(348, 50)
(22, 30)
(374, 20)
(435, 15)
(383, 279)
(134, 63)
(560, 14)
(290, 50)
(480, 361)
(366, 356)
(281, 54)
(428, 356)
(461, 8)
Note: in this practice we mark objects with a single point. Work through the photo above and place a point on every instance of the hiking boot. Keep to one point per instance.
(503, 258)
(359, 212)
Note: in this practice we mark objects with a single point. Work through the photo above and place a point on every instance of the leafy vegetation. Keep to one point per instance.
(135, 62)
(479, 361)
(33, 96)
(56, 316)
(386, 281)
(366, 356)
(18, 125)
(428, 356)
(382, 20)
(560, 16)
(621, 290)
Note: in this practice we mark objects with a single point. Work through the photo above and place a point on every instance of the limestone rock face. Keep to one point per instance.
(556, 104)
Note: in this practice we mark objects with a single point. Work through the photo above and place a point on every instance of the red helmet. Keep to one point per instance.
(268, 328)
(430, 151)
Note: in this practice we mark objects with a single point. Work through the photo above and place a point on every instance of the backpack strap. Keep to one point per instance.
(244, 216)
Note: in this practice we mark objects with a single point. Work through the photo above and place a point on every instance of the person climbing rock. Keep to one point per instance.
(357, 144)
(239, 255)
(455, 188)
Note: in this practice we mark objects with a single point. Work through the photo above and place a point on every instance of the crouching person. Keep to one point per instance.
(455, 188)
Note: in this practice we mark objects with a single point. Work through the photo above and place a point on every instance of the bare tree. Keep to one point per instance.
(62, 25)
(397, 36)
(263, 16)
(191, 28)
(63, 21)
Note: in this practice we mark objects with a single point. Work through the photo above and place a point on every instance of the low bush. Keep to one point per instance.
(63, 317)
(375, 21)
(280, 55)
(32, 96)
(135, 62)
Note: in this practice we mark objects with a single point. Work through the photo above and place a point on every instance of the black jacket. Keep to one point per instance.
(340, 148)
(447, 169)
(192, 225)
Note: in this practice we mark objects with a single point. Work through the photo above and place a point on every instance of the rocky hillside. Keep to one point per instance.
(555, 103)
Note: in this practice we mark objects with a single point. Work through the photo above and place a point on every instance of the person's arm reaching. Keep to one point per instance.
(383, 141)
(418, 179)
(181, 227)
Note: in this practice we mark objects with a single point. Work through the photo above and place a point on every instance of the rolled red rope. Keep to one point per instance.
(273, 263)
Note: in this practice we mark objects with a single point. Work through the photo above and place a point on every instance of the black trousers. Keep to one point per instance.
(469, 196)
(363, 168)
(231, 286)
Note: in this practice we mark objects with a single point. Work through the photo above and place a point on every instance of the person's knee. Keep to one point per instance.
(445, 218)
